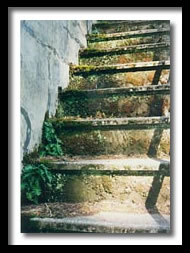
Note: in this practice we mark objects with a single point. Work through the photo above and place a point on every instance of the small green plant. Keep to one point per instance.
(51, 144)
(35, 182)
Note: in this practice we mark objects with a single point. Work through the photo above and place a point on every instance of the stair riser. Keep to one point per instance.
(126, 27)
(129, 79)
(129, 57)
(128, 42)
(126, 142)
(114, 106)
(135, 190)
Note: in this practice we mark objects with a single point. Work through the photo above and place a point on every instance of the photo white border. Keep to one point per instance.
(125, 13)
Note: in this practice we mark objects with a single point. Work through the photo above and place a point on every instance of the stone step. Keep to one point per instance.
(113, 166)
(115, 102)
(88, 52)
(104, 223)
(120, 55)
(129, 25)
(133, 21)
(120, 75)
(117, 40)
(91, 186)
(128, 136)
(98, 179)
(132, 123)
(119, 68)
(127, 35)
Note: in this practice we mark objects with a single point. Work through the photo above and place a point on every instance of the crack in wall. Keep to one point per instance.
(32, 34)
(72, 37)
(29, 30)
(49, 71)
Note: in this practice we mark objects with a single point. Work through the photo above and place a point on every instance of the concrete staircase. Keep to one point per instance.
(114, 124)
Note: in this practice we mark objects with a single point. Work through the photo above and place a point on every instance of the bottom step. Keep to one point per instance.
(105, 222)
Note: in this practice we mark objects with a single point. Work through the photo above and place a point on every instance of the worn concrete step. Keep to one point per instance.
(110, 166)
(127, 35)
(128, 136)
(115, 102)
(133, 21)
(132, 123)
(116, 40)
(119, 75)
(119, 68)
(104, 223)
(145, 185)
(120, 55)
(141, 180)
(88, 52)
(129, 25)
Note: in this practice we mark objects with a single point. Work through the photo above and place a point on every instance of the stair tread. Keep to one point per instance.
(122, 35)
(127, 67)
(128, 166)
(128, 25)
(129, 22)
(107, 222)
(133, 163)
(113, 121)
(132, 48)
(123, 90)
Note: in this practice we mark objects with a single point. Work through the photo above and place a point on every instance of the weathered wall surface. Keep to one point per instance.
(47, 49)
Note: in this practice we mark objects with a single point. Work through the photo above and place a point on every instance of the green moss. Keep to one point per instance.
(97, 37)
(125, 39)
(76, 107)
(104, 44)
(83, 67)
(117, 59)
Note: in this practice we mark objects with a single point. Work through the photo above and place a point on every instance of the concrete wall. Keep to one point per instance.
(47, 49)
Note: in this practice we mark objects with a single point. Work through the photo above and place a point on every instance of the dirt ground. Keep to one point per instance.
(61, 210)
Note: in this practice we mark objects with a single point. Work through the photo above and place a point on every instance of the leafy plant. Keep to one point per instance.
(51, 144)
(35, 181)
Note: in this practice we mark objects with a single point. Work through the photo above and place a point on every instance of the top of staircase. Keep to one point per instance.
(126, 35)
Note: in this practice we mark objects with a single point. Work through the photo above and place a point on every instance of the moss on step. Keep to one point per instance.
(128, 26)
(154, 35)
(129, 143)
(121, 42)
(84, 70)
(92, 52)
(123, 58)
(112, 106)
